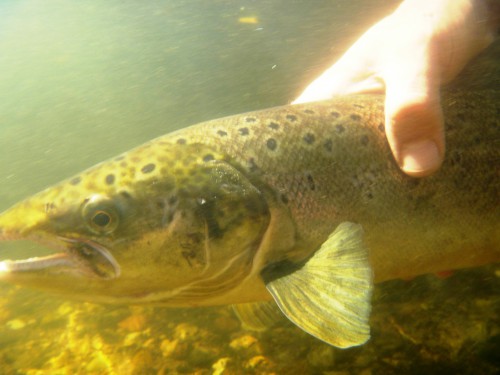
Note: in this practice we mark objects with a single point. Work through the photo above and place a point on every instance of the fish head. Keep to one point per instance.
(167, 222)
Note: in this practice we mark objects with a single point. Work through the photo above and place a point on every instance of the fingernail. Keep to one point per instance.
(420, 158)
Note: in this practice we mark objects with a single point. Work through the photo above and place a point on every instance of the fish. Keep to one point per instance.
(295, 210)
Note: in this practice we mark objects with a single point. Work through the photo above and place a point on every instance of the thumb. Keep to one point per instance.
(414, 119)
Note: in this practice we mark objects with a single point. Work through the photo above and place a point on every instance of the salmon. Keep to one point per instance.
(300, 208)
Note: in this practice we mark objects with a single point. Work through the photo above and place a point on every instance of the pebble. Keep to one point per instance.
(99, 363)
(219, 367)
(247, 346)
(131, 338)
(259, 363)
(167, 347)
(133, 323)
(243, 342)
(174, 348)
(185, 332)
(16, 324)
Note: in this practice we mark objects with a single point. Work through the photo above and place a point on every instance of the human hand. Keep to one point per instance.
(410, 54)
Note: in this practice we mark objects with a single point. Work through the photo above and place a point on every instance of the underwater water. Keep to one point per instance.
(83, 81)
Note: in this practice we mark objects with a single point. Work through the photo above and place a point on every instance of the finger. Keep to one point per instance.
(415, 134)
(414, 119)
(355, 72)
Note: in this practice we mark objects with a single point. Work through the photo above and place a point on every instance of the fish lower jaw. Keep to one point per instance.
(20, 254)
(35, 263)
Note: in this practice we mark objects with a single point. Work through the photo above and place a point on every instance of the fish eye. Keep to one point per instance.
(102, 219)
(100, 214)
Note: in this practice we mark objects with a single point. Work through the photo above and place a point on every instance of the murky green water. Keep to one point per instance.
(83, 81)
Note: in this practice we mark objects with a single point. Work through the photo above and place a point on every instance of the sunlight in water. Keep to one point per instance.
(3, 267)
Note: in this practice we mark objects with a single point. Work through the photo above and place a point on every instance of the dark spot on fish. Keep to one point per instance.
(413, 182)
(340, 128)
(274, 125)
(222, 133)
(148, 168)
(455, 158)
(310, 181)
(181, 141)
(250, 119)
(136, 159)
(252, 166)
(119, 158)
(309, 111)
(160, 203)
(243, 131)
(358, 106)
(271, 144)
(208, 157)
(381, 127)
(49, 206)
(123, 164)
(125, 194)
(335, 114)
(110, 179)
(172, 200)
(369, 195)
(76, 180)
(328, 145)
(309, 138)
(423, 200)
(284, 198)
(364, 140)
(355, 117)
(292, 118)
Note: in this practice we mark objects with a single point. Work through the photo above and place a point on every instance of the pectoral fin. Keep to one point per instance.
(258, 316)
(329, 297)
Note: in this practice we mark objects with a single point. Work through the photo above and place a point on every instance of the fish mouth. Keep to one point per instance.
(84, 257)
